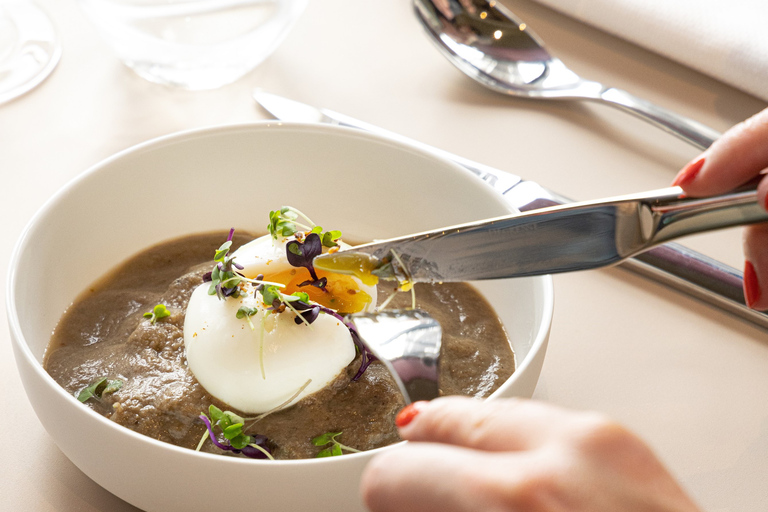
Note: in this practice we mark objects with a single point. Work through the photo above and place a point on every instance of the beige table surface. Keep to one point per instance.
(689, 378)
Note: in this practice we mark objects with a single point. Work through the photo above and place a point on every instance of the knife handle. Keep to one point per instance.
(671, 264)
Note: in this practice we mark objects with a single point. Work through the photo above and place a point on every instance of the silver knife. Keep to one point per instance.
(566, 238)
(672, 264)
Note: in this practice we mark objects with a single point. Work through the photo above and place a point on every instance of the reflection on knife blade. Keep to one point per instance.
(672, 264)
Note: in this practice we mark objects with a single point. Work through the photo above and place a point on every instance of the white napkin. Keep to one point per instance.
(725, 39)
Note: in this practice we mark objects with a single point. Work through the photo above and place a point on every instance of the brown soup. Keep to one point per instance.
(104, 334)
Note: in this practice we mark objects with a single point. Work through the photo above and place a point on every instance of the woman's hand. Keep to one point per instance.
(735, 158)
(516, 455)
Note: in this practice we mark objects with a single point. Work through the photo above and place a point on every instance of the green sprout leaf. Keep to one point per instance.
(295, 249)
(99, 388)
(245, 312)
(336, 447)
(158, 312)
(231, 425)
(281, 222)
(324, 439)
(270, 293)
(302, 296)
(330, 237)
(222, 252)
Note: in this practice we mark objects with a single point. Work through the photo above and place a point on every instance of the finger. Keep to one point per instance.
(494, 425)
(434, 478)
(756, 266)
(737, 156)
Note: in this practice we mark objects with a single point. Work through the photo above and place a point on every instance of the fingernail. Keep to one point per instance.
(688, 173)
(751, 286)
(407, 413)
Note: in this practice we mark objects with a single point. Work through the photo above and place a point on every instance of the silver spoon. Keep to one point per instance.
(408, 342)
(485, 40)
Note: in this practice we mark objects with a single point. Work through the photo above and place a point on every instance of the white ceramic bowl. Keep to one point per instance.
(368, 187)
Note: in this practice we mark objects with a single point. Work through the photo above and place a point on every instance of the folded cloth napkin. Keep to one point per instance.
(725, 39)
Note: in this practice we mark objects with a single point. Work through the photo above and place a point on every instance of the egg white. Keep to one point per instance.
(224, 353)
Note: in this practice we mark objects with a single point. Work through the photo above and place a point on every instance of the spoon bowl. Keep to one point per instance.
(489, 44)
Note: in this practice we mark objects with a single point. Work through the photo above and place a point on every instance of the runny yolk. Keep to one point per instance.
(341, 292)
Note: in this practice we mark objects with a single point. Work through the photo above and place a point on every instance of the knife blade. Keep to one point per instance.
(671, 264)
(566, 238)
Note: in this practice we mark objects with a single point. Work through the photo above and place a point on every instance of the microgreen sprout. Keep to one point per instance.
(247, 313)
(302, 253)
(335, 447)
(235, 440)
(158, 312)
(224, 278)
(283, 222)
(98, 388)
(330, 238)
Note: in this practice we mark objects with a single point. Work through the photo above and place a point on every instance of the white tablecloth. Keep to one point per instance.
(726, 40)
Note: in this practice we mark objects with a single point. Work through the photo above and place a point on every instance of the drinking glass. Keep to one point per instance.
(29, 47)
(194, 44)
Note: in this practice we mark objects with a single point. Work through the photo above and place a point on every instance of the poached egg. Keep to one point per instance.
(266, 360)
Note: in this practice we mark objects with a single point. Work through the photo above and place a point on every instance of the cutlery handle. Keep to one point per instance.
(671, 264)
(698, 276)
(682, 127)
(676, 217)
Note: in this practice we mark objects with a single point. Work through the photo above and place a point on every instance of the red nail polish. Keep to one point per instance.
(688, 173)
(751, 286)
(407, 413)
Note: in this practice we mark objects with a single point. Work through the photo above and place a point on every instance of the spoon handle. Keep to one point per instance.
(690, 131)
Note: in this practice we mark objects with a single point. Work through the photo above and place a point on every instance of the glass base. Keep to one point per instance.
(29, 48)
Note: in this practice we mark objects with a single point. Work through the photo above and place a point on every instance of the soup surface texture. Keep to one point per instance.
(105, 334)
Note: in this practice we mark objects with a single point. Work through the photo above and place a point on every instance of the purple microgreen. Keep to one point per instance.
(158, 312)
(98, 388)
(224, 278)
(299, 316)
(336, 447)
(317, 283)
(235, 440)
(365, 353)
(301, 254)
(308, 315)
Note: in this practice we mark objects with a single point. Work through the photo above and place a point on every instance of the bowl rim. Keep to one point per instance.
(22, 348)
